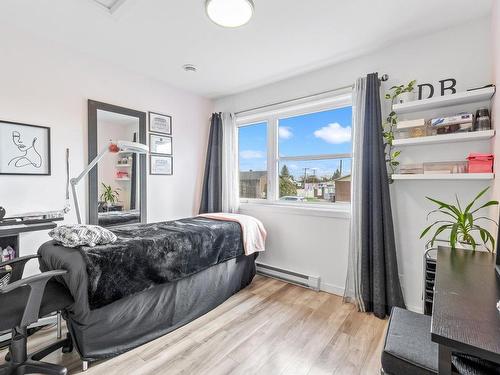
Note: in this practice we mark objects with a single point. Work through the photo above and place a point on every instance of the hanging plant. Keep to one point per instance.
(390, 125)
(391, 156)
(397, 91)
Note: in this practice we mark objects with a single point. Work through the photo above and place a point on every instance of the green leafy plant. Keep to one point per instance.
(398, 90)
(461, 224)
(389, 127)
(391, 156)
(109, 196)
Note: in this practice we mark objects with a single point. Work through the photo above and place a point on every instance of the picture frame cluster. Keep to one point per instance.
(160, 144)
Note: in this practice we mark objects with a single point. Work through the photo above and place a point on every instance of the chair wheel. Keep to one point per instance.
(69, 347)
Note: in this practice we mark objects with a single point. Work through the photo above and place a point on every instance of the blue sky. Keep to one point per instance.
(327, 132)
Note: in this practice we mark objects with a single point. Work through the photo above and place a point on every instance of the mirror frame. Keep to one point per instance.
(93, 196)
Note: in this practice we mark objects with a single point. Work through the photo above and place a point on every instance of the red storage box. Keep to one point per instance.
(480, 163)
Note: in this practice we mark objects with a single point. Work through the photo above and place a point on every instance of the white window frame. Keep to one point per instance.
(271, 116)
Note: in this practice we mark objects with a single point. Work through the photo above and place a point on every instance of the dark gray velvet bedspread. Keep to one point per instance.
(144, 255)
(107, 219)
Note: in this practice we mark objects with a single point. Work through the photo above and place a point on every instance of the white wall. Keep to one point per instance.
(45, 84)
(318, 245)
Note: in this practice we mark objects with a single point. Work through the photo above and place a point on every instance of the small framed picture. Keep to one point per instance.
(24, 149)
(161, 165)
(160, 144)
(159, 123)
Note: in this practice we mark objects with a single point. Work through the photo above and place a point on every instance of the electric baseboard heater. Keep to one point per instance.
(308, 281)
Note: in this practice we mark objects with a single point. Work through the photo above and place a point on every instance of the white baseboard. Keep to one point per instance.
(332, 289)
(339, 291)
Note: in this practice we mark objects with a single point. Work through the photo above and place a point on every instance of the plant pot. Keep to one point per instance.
(405, 97)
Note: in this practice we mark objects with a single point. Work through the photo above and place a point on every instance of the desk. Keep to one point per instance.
(9, 234)
(464, 316)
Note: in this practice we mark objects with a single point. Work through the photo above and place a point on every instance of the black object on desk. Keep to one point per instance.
(464, 316)
(430, 260)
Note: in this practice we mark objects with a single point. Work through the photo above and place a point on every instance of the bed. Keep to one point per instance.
(152, 280)
(110, 218)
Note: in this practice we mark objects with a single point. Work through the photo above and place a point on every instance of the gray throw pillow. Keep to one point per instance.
(82, 235)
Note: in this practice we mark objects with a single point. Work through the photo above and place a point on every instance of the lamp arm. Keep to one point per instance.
(74, 181)
(76, 202)
(91, 165)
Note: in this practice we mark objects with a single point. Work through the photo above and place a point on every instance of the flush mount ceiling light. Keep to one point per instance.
(229, 13)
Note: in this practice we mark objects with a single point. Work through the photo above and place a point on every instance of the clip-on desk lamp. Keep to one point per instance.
(124, 146)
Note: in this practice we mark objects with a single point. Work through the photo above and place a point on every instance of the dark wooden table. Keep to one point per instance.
(464, 316)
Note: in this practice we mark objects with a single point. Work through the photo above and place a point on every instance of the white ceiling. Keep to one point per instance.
(285, 37)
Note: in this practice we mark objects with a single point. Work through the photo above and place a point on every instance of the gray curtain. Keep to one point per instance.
(352, 291)
(380, 286)
(211, 196)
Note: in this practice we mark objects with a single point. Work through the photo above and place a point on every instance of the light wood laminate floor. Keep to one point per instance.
(270, 327)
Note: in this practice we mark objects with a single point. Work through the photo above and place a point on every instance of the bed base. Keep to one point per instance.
(101, 336)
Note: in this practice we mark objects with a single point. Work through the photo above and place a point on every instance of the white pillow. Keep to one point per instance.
(82, 235)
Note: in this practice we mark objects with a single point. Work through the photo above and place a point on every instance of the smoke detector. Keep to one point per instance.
(189, 68)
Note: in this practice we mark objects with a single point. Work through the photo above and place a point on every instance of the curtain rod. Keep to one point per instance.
(384, 78)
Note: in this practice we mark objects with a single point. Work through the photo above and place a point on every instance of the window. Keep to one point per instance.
(253, 161)
(299, 156)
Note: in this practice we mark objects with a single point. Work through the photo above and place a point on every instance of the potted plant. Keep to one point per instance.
(403, 93)
(109, 196)
(462, 225)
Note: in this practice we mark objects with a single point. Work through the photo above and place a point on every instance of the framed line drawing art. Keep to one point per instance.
(161, 165)
(159, 123)
(160, 144)
(24, 149)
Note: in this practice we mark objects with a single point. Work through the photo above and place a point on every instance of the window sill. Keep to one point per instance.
(340, 210)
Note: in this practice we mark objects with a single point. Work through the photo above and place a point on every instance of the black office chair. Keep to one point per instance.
(23, 302)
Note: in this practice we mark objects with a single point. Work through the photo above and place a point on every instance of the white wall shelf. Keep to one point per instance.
(123, 165)
(445, 138)
(445, 101)
(449, 176)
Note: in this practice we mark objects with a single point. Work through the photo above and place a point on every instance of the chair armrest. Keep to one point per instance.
(20, 259)
(37, 285)
(31, 280)
(18, 265)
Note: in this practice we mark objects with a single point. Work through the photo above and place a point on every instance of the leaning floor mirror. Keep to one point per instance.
(117, 186)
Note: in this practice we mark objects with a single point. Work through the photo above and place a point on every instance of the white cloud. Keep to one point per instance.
(251, 154)
(334, 133)
(285, 132)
